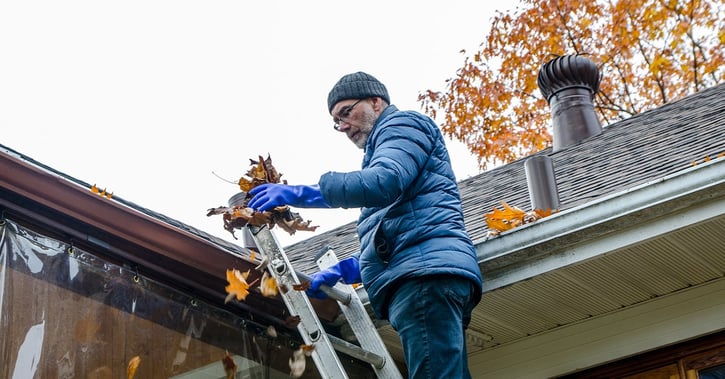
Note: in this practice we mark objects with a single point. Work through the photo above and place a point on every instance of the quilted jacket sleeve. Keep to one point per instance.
(397, 150)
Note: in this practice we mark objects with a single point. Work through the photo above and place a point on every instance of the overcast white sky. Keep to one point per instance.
(148, 98)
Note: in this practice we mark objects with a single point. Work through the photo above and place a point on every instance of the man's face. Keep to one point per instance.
(355, 118)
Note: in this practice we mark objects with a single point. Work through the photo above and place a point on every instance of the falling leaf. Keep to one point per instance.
(263, 263)
(297, 363)
(308, 349)
(238, 286)
(271, 331)
(230, 368)
(292, 321)
(132, 366)
(268, 286)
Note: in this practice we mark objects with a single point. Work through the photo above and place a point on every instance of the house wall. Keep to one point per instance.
(650, 325)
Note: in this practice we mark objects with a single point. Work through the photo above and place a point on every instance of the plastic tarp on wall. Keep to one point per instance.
(67, 313)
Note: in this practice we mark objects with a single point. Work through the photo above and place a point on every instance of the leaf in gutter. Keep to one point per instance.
(541, 213)
(501, 220)
(508, 218)
(707, 158)
(101, 192)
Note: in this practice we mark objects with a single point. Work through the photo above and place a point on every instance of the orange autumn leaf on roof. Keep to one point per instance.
(238, 286)
(508, 218)
(541, 213)
(101, 192)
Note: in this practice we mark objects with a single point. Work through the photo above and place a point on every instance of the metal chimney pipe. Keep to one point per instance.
(540, 178)
(569, 83)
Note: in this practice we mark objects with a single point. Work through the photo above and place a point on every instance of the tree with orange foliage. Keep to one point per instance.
(649, 52)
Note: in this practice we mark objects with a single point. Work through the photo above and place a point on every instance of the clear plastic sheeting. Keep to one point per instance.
(66, 313)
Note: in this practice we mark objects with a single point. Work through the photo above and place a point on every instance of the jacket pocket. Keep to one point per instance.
(383, 248)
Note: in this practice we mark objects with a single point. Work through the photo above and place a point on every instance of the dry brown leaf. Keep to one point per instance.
(262, 171)
(230, 368)
(132, 367)
(303, 286)
(292, 321)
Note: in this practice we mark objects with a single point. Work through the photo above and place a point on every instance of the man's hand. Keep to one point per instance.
(267, 196)
(347, 269)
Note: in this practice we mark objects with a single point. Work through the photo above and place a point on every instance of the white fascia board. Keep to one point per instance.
(604, 225)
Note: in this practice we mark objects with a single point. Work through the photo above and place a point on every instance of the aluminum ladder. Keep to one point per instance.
(371, 350)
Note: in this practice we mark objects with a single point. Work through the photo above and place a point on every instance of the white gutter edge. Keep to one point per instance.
(554, 234)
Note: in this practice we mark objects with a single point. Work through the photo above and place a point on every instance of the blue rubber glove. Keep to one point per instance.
(347, 269)
(267, 196)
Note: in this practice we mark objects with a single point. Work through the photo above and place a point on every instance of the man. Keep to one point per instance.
(417, 262)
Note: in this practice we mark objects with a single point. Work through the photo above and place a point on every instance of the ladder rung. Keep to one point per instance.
(357, 352)
(331, 292)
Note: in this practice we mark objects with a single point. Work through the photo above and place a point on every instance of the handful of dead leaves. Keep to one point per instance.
(237, 216)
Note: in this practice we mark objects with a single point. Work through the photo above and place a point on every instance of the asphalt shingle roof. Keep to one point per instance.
(642, 148)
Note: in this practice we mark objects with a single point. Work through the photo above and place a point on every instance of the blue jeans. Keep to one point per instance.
(431, 315)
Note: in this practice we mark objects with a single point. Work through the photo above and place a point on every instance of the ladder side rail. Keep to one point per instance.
(310, 328)
(361, 324)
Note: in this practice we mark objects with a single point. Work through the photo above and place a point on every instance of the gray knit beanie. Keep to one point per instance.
(358, 85)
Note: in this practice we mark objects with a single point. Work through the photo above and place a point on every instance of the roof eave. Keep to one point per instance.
(584, 232)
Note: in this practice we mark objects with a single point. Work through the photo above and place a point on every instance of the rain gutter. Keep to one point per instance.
(144, 240)
(648, 210)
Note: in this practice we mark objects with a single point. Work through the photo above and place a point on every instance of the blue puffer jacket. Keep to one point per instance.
(410, 201)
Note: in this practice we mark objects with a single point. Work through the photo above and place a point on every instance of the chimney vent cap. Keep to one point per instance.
(568, 71)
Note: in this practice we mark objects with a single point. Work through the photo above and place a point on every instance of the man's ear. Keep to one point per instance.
(379, 104)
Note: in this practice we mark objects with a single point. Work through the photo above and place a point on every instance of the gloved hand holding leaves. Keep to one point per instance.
(268, 196)
(275, 212)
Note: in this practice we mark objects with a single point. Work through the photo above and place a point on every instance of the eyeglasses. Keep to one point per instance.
(343, 114)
